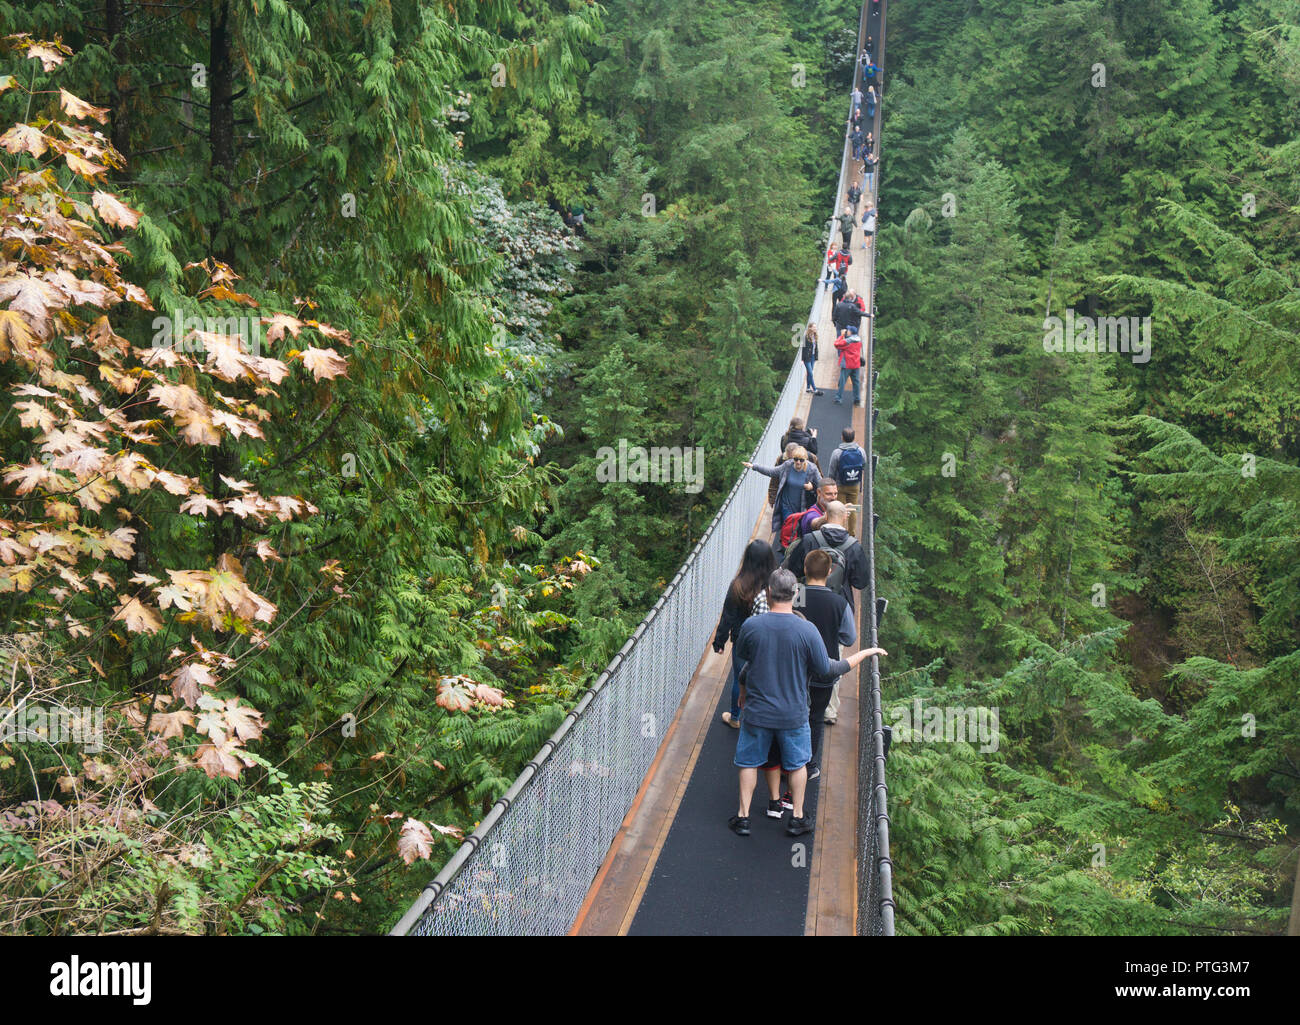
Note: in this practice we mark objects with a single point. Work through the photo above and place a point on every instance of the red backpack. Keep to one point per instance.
(790, 528)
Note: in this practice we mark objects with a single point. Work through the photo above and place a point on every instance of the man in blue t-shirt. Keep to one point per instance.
(782, 650)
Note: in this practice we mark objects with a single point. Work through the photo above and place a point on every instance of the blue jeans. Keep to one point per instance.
(754, 743)
(736, 666)
(808, 369)
(846, 374)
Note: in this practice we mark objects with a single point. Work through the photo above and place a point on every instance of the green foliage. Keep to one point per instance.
(1112, 547)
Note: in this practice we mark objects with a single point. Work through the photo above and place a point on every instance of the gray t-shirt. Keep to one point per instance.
(783, 650)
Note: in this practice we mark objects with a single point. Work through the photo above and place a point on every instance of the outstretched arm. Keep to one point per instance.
(766, 471)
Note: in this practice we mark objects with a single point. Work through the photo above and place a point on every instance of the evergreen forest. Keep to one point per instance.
(329, 588)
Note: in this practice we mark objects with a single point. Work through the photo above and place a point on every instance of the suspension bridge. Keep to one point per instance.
(618, 824)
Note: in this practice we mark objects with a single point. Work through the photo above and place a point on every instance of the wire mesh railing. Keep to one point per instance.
(528, 866)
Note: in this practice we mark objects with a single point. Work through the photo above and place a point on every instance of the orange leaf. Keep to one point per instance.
(79, 108)
(115, 212)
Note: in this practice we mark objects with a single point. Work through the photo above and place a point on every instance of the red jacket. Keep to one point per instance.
(838, 260)
(850, 349)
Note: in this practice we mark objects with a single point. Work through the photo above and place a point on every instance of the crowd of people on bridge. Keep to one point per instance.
(791, 608)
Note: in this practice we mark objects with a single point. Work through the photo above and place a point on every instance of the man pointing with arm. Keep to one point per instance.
(782, 651)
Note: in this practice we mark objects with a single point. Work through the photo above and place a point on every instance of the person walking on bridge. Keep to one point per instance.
(869, 164)
(799, 433)
(809, 356)
(868, 224)
(838, 260)
(846, 228)
(828, 491)
(850, 568)
(849, 347)
(746, 596)
(847, 466)
(782, 651)
(833, 617)
(794, 476)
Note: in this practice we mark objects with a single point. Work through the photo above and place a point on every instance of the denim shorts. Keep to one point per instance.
(754, 743)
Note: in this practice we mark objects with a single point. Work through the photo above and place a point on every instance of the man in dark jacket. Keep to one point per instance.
(835, 538)
(853, 317)
(844, 313)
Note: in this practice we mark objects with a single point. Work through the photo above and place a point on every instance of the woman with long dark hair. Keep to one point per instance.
(746, 596)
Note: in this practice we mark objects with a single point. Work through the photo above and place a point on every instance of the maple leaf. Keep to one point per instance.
(278, 324)
(174, 483)
(224, 294)
(221, 760)
(334, 334)
(171, 724)
(455, 831)
(79, 108)
(244, 509)
(122, 542)
(114, 211)
(15, 334)
(34, 296)
(266, 553)
(454, 693)
(236, 425)
(245, 722)
(82, 461)
(489, 695)
(81, 166)
(44, 541)
(287, 507)
(47, 53)
(11, 549)
(83, 291)
(25, 139)
(34, 415)
(170, 595)
(324, 363)
(415, 841)
(196, 428)
(201, 505)
(224, 356)
(27, 477)
(139, 618)
(61, 511)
